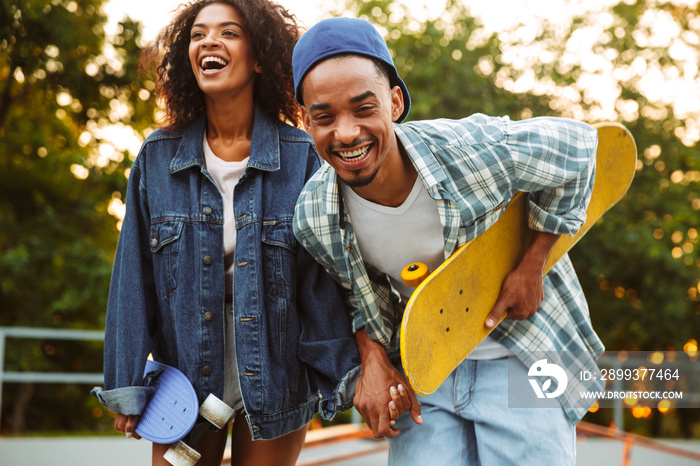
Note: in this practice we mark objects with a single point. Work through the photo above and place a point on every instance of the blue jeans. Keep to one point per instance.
(467, 422)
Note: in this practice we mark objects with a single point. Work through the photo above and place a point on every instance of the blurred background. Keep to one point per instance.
(74, 110)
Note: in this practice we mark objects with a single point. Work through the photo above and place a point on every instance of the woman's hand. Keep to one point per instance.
(401, 401)
(127, 424)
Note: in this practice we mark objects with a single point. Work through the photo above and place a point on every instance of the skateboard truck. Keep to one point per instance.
(171, 414)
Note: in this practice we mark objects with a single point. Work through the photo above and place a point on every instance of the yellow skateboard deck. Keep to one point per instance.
(444, 318)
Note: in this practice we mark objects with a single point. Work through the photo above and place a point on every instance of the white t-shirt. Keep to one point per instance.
(384, 244)
(226, 176)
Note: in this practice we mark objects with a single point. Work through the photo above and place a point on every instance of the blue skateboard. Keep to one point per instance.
(171, 413)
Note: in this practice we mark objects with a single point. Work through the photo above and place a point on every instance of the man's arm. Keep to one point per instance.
(522, 291)
(372, 390)
(554, 161)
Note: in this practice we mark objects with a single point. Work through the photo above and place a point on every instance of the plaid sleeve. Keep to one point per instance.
(554, 161)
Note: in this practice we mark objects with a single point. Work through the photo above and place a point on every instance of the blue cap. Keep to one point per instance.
(335, 36)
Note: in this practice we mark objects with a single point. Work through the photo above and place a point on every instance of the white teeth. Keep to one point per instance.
(353, 155)
(218, 60)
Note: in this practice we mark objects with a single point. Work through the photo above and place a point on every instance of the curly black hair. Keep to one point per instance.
(273, 32)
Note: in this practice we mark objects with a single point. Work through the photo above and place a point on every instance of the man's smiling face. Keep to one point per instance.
(349, 110)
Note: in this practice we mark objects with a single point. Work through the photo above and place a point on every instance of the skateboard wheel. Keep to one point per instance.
(216, 411)
(180, 454)
(414, 274)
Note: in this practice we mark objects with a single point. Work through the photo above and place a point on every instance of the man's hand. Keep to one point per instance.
(127, 424)
(522, 290)
(373, 389)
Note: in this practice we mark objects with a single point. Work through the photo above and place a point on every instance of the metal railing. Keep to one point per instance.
(349, 432)
(630, 440)
(690, 368)
(358, 431)
(46, 377)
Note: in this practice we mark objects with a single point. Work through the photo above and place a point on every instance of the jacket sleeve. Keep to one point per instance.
(554, 160)
(327, 343)
(131, 310)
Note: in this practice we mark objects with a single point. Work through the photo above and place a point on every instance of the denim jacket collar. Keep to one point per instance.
(264, 147)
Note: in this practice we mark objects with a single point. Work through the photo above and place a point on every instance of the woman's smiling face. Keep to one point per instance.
(220, 52)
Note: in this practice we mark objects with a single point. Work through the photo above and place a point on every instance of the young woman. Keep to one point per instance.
(208, 276)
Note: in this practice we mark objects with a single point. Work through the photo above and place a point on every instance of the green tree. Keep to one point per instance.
(640, 265)
(65, 92)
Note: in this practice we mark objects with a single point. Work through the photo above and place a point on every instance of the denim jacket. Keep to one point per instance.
(293, 335)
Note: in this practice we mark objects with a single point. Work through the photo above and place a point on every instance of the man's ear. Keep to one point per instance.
(305, 119)
(396, 103)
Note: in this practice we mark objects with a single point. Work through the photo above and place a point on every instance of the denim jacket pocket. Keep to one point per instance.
(280, 272)
(165, 247)
(279, 254)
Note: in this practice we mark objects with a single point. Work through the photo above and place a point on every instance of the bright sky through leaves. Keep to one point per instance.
(523, 20)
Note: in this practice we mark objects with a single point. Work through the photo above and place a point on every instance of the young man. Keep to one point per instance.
(393, 194)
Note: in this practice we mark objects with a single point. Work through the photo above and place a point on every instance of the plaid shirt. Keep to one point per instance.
(472, 168)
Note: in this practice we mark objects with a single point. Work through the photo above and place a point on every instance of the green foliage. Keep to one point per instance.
(442, 61)
(62, 86)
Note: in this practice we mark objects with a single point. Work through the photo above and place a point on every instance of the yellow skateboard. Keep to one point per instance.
(444, 318)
